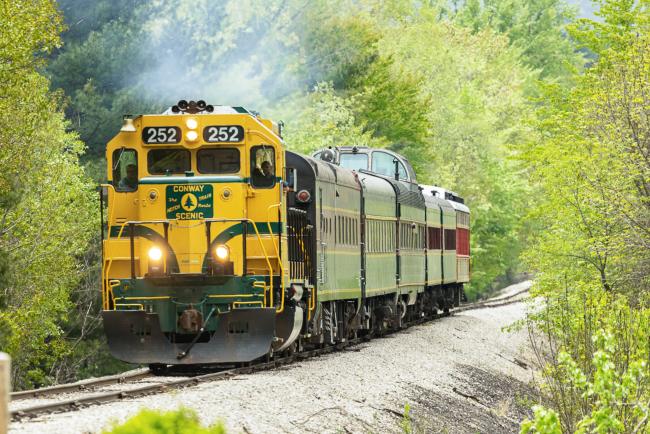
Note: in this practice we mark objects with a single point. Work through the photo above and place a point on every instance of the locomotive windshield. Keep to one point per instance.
(354, 161)
(167, 161)
(383, 163)
(218, 160)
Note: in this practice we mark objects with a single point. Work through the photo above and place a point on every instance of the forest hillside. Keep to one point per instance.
(537, 117)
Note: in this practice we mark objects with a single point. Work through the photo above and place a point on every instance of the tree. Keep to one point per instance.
(536, 27)
(45, 199)
(589, 157)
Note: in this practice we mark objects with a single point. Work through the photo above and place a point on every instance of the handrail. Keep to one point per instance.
(266, 256)
(105, 283)
(112, 284)
(146, 297)
(242, 220)
(256, 284)
(277, 253)
(140, 305)
(110, 263)
(312, 303)
(239, 303)
(232, 295)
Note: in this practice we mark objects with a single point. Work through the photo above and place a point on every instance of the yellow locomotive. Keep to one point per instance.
(221, 246)
(195, 205)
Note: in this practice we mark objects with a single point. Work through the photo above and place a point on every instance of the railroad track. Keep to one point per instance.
(493, 302)
(133, 377)
(81, 386)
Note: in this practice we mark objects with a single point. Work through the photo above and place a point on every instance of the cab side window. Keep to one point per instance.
(262, 166)
(125, 169)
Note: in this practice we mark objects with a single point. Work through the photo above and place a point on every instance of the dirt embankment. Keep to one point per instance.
(460, 374)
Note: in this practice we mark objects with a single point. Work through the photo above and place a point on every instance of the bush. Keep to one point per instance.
(609, 394)
(181, 421)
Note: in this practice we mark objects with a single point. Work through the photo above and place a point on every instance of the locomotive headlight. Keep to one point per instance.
(191, 136)
(155, 253)
(192, 124)
(222, 252)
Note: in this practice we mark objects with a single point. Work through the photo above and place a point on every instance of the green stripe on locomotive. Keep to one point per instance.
(170, 298)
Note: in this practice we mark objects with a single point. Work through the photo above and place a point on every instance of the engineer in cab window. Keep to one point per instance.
(125, 169)
(263, 174)
(130, 181)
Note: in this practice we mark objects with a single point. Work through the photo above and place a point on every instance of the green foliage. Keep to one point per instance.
(590, 161)
(339, 50)
(545, 421)
(46, 201)
(182, 421)
(603, 384)
(535, 27)
(30, 30)
(588, 157)
(321, 119)
(83, 16)
(406, 423)
(392, 106)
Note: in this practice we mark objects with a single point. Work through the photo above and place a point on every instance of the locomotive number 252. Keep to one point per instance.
(223, 133)
(158, 135)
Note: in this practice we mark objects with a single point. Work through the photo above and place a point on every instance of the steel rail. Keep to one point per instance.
(99, 398)
(81, 386)
(494, 302)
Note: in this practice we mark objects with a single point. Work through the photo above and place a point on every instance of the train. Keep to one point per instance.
(221, 246)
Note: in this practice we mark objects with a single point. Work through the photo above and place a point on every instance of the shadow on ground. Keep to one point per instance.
(480, 401)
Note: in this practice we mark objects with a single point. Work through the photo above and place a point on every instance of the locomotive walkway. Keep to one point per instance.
(455, 365)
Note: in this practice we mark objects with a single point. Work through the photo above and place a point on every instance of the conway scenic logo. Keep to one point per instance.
(189, 202)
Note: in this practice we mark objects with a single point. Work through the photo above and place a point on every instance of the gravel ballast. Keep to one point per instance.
(459, 374)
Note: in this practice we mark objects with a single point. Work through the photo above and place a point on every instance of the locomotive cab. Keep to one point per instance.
(194, 258)
(362, 158)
